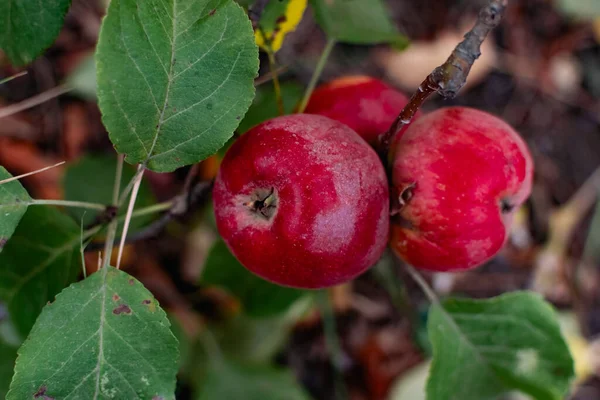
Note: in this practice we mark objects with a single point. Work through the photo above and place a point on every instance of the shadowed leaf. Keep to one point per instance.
(37, 263)
(357, 22)
(231, 381)
(259, 297)
(13, 204)
(28, 27)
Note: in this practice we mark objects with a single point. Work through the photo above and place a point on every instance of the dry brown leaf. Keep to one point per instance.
(76, 131)
(20, 157)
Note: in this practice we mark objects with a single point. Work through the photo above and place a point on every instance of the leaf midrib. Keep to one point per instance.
(169, 81)
(463, 338)
(101, 333)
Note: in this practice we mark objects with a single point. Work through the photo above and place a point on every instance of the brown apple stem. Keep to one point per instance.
(450, 77)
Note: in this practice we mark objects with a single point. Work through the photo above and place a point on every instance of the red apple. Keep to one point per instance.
(365, 104)
(303, 201)
(458, 176)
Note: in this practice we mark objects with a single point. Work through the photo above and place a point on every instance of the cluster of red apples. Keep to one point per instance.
(304, 200)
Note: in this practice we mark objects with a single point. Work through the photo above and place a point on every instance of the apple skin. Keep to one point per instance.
(303, 201)
(365, 104)
(461, 174)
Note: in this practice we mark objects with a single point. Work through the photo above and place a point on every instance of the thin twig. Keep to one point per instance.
(268, 76)
(189, 179)
(385, 273)
(178, 207)
(134, 193)
(450, 77)
(317, 74)
(156, 208)
(34, 101)
(117, 183)
(15, 76)
(333, 344)
(67, 203)
(81, 247)
(150, 231)
(276, 85)
(14, 178)
(125, 192)
(423, 284)
(113, 225)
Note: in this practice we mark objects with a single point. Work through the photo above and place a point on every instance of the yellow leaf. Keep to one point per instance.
(578, 346)
(284, 25)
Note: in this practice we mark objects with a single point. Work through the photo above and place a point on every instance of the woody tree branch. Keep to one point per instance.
(450, 77)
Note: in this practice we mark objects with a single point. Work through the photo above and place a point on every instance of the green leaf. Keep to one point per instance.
(245, 3)
(9, 344)
(259, 339)
(91, 179)
(83, 78)
(264, 106)
(244, 339)
(13, 204)
(28, 27)
(175, 78)
(8, 355)
(485, 348)
(231, 381)
(183, 340)
(39, 261)
(105, 337)
(585, 9)
(357, 21)
(259, 298)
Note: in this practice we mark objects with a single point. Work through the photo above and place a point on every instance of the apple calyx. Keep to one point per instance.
(506, 206)
(263, 203)
(402, 196)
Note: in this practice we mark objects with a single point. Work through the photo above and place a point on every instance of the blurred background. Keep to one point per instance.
(540, 71)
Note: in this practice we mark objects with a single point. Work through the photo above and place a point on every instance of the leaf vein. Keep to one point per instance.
(169, 82)
(196, 136)
(208, 51)
(152, 45)
(210, 95)
(131, 126)
(137, 67)
(60, 330)
(85, 378)
(123, 378)
(132, 348)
